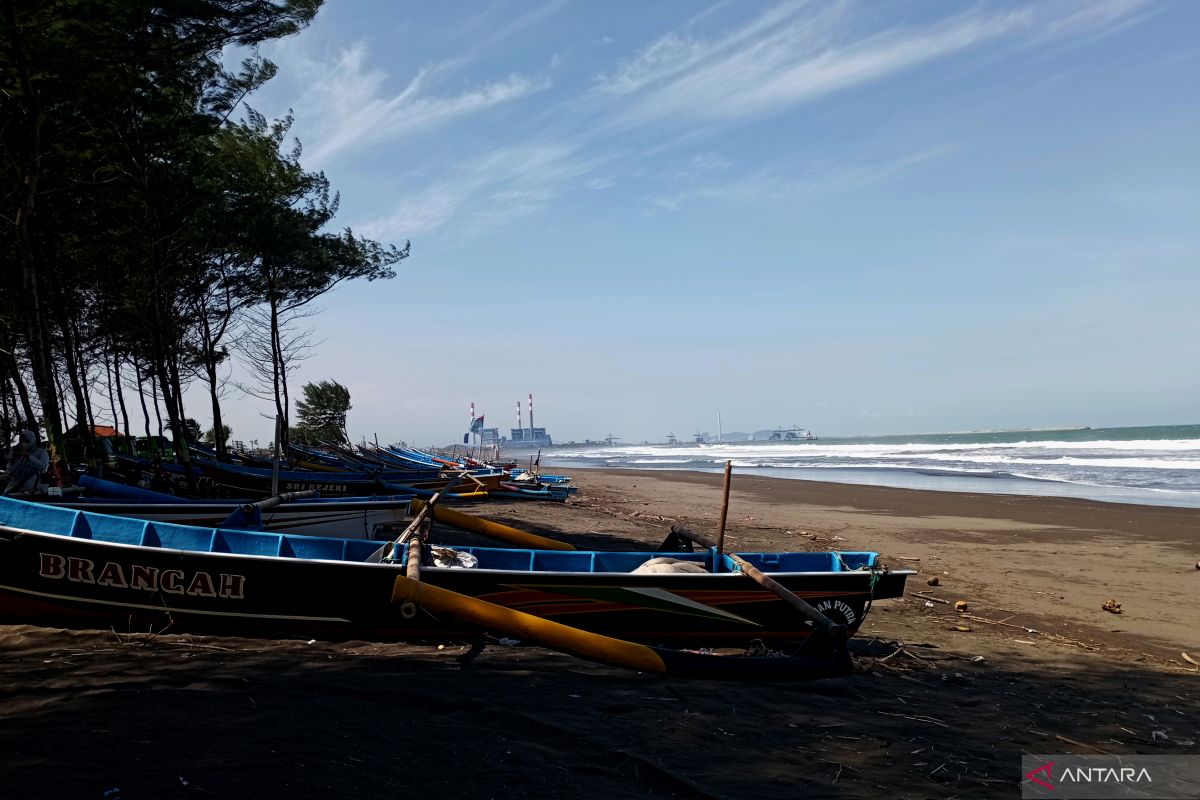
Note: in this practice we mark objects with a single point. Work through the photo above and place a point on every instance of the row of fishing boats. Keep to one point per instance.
(339, 471)
(368, 567)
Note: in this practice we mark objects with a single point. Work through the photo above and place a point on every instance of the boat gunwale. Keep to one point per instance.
(639, 577)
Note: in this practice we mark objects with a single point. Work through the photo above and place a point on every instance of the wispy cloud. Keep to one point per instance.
(698, 165)
(486, 192)
(675, 53)
(781, 60)
(796, 52)
(348, 105)
(669, 97)
(773, 185)
(523, 22)
(1090, 18)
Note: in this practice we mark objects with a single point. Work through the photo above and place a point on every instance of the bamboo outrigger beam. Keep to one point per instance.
(409, 532)
(427, 509)
(412, 567)
(492, 530)
(279, 499)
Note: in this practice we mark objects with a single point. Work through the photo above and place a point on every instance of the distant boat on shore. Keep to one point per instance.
(792, 434)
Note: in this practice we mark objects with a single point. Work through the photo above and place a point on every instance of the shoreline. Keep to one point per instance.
(926, 481)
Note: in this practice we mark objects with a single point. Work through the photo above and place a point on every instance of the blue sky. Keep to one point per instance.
(855, 217)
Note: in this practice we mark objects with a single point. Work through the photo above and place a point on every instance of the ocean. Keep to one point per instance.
(1158, 465)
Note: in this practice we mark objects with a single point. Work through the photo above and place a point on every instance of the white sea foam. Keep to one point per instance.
(1133, 469)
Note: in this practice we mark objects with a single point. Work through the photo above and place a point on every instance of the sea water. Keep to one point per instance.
(1157, 465)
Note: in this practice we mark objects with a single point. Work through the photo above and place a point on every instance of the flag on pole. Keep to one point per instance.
(466, 438)
(477, 424)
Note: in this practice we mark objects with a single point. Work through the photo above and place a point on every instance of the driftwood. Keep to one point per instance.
(987, 621)
(1074, 743)
(915, 718)
(930, 597)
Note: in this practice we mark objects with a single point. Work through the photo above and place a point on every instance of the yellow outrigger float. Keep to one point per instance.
(824, 655)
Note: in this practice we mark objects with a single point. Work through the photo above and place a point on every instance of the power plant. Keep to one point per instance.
(520, 437)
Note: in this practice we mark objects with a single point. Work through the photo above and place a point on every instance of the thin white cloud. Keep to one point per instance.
(772, 185)
(795, 52)
(524, 22)
(674, 53)
(668, 56)
(484, 193)
(677, 90)
(698, 165)
(348, 105)
(750, 75)
(1090, 18)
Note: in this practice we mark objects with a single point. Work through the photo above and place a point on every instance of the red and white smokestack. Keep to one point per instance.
(472, 411)
(519, 423)
(531, 415)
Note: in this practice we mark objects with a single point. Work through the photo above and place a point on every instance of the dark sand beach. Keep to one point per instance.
(933, 711)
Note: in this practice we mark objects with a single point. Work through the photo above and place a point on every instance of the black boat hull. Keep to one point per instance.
(79, 582)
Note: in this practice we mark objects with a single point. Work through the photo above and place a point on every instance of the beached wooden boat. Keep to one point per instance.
(81, 569)
(345, 517)
(557, 493)
(252, 482)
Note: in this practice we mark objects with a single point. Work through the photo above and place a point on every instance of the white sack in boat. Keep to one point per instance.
(453, 559)
(664, 564)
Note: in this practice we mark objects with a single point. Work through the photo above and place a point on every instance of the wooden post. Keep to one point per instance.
(275, 465)
(724, 508)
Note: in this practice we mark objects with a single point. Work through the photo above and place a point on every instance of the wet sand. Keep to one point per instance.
(933, 711)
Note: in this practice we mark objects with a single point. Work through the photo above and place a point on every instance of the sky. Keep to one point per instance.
(854, 217)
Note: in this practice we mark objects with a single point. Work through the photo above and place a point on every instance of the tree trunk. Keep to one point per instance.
(210, 371)
(22, 391)
(7, 424)
(154, 396)
(27, 173)
(77, 375)
(137, 372)
(279, 374)
(121, 399)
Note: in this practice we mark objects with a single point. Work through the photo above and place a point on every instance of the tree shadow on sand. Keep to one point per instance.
(91, 714)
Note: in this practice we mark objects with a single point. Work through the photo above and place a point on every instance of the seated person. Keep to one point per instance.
(27, 463)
